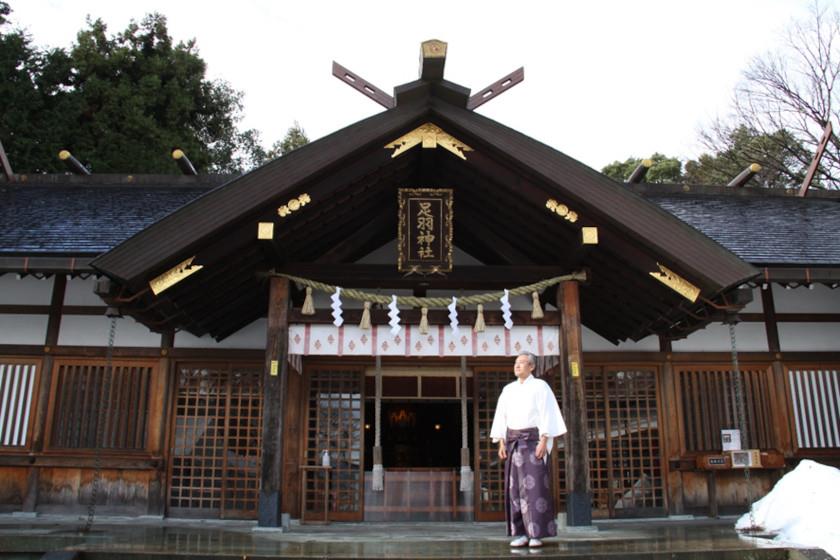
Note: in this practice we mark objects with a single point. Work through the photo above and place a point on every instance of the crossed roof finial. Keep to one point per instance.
(432, 62)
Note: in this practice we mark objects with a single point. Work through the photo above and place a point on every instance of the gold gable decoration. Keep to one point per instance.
(174, 275)
(677, 283)
(430, 136)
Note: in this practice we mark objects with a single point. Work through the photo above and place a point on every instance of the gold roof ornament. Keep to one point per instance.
(677, 283)
(433, 48)
(174, 275)
(430, 136)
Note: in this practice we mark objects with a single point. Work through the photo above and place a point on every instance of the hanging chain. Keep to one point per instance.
(463, 391)
(740, 405)
(378, 403)
(100, 428)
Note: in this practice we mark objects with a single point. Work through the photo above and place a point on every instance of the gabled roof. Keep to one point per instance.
(75, 216)
(502, 193)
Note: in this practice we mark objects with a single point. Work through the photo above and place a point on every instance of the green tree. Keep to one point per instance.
(780, 155)
(663, 169)
(120, 103)
(36, 104)
(294, 139)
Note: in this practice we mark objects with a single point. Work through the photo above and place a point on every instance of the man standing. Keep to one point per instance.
(526, 422)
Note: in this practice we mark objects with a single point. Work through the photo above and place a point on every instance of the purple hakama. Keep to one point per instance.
(529, 507)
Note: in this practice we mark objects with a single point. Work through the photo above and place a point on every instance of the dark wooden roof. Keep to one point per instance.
(84, 216)
(501, 218)
(88, 215)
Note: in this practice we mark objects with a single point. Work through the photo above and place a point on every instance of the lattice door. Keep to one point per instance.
(217, 436)
(490, 472)
(335, 422)
(625, 466)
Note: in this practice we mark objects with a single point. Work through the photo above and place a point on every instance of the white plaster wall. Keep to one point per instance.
(809, 337)
(593, 342)
(23, 329)
(816, 299)
(755, 306)
(249, 337)
(87, 330)
(25, 291)
(80, 292)
(749, 337)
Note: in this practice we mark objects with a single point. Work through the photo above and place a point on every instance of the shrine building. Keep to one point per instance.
(324, 338)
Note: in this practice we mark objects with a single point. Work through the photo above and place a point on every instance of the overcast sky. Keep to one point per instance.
(604, 80)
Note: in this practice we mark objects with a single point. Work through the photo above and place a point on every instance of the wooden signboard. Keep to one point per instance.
(425, 231)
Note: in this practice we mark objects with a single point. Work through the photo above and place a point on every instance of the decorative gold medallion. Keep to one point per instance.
(174, 275)
(430, 136)
(677, 283)
(561, 210)
(293, 205)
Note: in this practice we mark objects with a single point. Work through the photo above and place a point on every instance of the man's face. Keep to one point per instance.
(522, 367)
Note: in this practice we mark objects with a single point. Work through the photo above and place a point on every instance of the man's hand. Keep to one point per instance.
(541, 448)
(502, 451)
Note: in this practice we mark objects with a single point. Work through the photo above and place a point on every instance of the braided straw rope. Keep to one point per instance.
(413, 301)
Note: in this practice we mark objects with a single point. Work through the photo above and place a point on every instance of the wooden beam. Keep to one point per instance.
(744, 176)
(815, 163)
(578, 492)
(46, 265)
(482, 233)
(769, 308)
(363, 86)
(275, 385)
(471, 231)
(7, 167)
(497, 88)
(806, 275)
(790, 317)
(347, 248)
(432, 60)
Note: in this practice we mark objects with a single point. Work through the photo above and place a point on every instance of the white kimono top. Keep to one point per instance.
(530, 404)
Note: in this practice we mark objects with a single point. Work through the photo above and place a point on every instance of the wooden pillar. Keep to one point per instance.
(778, 386)
(295, 418)
(578, 492)
(275, 386)
(158, 422)
(670, 429)
(30, 500)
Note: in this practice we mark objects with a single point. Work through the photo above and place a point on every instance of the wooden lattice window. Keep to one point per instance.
(100, 406)
(17, 382)
(335, 424)
(625, 466)
(217, 438)
(489, 475)
(710, 403)
(815, 397)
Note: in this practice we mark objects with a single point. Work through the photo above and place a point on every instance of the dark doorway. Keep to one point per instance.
(417, 434)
